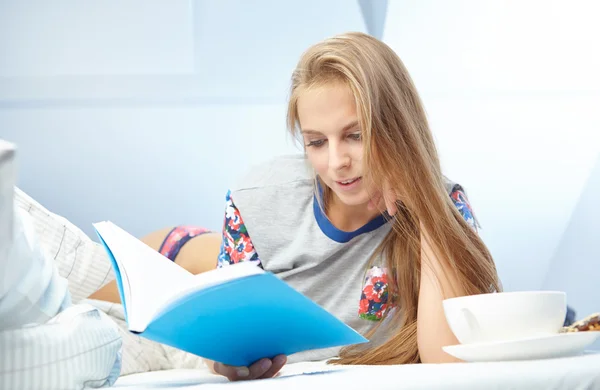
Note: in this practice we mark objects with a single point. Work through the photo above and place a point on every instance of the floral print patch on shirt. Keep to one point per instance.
(374, 297)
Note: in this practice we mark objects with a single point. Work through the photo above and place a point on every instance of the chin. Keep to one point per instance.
(360, 199)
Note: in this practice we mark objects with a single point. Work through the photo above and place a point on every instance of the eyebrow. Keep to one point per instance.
(345, 128)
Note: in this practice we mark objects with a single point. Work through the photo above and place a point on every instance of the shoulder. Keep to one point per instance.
(278, 189)
(267, 202)
(275, 172)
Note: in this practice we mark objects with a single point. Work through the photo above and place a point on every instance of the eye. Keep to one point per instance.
(316, 143)
(355, 136)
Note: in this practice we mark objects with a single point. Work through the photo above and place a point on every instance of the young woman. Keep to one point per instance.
(364, 223)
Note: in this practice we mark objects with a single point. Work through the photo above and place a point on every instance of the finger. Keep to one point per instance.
(390, 199)
(391, 207)
(259, 368)
(277, 363)
(231, 372)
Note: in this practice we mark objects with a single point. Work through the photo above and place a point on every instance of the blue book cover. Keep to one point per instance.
(235, 320)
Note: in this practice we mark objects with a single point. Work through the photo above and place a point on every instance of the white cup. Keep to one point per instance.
(506, 315)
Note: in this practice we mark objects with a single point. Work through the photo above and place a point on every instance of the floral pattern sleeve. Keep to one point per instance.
(464, 207)
(236, 245)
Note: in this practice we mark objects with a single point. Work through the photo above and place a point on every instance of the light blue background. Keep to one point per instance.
(144, 112)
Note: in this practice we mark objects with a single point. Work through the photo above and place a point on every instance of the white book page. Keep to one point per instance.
(155, 281)
(152, 278)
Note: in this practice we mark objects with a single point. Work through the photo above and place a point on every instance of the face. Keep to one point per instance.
(332, 138)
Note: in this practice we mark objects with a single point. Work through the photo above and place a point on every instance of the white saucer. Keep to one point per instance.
(542, 347)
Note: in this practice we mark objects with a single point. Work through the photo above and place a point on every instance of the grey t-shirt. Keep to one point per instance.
(273, 218)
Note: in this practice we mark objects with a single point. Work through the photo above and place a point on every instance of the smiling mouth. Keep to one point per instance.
(349, 181)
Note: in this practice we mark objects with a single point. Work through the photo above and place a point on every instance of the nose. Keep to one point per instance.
(339, 157)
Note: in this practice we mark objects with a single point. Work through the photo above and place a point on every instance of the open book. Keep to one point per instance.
(234, 315)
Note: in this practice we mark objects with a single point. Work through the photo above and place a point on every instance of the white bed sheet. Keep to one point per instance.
(578, 372)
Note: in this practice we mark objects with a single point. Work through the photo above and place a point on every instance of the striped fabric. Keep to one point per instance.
(32, 291)
(45, 341)
(84, 264)
(74, 348)
(143, 355)
(79, 348)
(79, 259)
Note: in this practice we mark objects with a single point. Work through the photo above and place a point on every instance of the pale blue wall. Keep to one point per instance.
(143, 112)
(575, 266)
(512, 90)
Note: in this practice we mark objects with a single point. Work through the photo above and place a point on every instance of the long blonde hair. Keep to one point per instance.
(399, 149)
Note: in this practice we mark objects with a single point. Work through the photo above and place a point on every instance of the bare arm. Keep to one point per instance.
(437, 283)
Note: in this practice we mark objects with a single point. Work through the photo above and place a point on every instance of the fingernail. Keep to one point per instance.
(279, 359)
(265, 364)
(242, 372)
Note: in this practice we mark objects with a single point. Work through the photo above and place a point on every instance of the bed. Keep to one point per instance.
(577, 372)
(84, 264)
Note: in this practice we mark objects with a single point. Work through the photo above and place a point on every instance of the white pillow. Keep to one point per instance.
(79, 259)
(78, 348)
